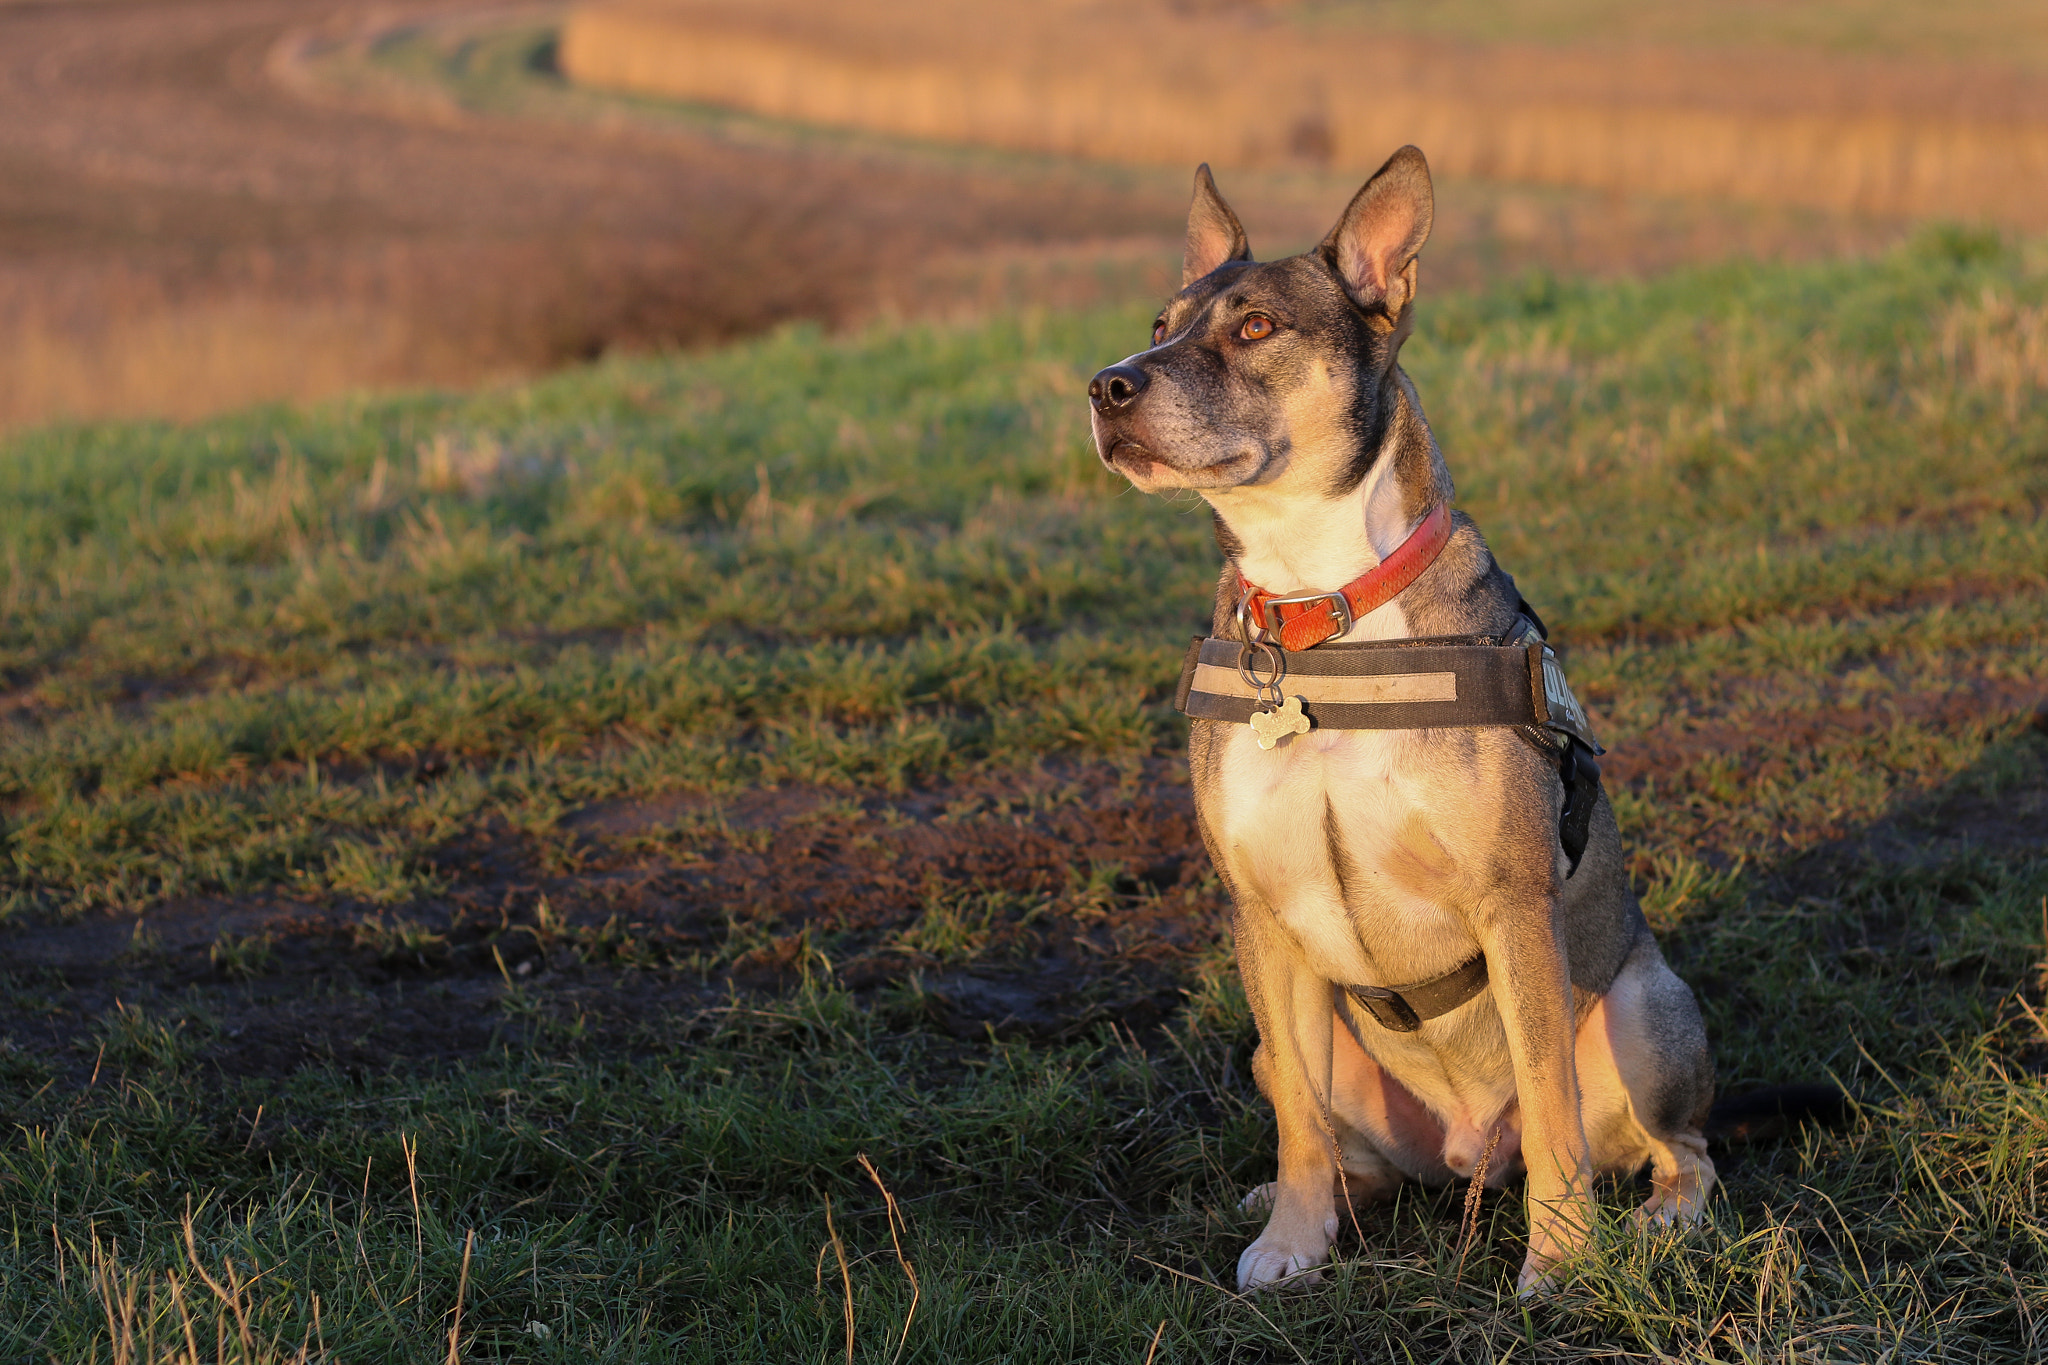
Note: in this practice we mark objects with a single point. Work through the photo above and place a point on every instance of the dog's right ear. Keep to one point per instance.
(1374, 245)
(1214, 234)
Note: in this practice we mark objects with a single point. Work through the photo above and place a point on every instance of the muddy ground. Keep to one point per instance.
(1041, 907)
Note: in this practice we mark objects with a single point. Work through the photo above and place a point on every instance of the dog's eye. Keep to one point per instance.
(1257, 327)
(1158, 332)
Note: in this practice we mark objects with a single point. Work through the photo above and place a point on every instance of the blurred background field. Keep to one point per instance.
(487, 852)
(212, 202)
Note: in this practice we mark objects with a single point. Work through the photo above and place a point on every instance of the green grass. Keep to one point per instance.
(1787, 522)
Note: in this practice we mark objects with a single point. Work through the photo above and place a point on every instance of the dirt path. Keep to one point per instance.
(1038, 906)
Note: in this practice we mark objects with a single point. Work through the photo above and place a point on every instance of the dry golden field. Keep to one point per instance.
(1906, 132)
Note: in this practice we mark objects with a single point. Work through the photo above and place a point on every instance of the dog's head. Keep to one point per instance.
(1276, 373)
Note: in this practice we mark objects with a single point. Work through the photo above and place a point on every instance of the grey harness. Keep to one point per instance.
(1513, 680)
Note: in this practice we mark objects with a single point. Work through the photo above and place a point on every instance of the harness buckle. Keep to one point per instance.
(1389, 1007)
(1339, 603)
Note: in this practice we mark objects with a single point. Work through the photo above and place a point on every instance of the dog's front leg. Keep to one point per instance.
(1531, 979)
(1292, 1005)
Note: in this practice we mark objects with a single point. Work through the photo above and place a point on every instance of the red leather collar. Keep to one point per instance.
(1308, 619)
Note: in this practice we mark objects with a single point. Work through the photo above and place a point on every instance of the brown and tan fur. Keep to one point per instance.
(1387, 858)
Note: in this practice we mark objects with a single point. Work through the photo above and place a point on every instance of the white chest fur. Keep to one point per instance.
(1330, 834)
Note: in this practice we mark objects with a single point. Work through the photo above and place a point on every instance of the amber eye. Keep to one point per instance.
(1158, 332)
(1257, 327)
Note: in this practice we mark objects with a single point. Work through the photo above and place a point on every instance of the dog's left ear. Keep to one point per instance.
(1214, 234)
(1374, 245)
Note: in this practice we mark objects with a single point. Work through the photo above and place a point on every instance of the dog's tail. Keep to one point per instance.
(1775, 1110)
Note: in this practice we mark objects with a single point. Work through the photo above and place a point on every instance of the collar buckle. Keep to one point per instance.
(1340, 606)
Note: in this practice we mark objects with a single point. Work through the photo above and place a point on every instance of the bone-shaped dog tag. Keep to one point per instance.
(1273, 726)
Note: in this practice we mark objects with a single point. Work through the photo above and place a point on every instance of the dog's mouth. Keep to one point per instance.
(1145, 469)
(1133, 460)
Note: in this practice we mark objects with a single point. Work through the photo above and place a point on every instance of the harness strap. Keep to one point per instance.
(1385, 685)
(1568, 740)
(1418, 684)
(1405, 1010)
(1580, 773)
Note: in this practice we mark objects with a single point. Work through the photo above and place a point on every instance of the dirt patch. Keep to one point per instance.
(1768, 742)
(1039, 908)
(1999, 810)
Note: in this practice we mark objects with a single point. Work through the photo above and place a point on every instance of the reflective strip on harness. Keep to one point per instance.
(1386, 689)
(1395, 684)
(1400, 685)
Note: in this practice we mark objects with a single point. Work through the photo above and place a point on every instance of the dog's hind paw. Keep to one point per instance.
(1681, 1176)
(1258, 1200)
(1539, 1278)
(1668, 1208)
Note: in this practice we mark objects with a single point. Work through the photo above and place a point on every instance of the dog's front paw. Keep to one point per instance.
(1258, 1200)
(1668, 1208)
(1560, 1234)
(1268, 1261)
(1540, 1276)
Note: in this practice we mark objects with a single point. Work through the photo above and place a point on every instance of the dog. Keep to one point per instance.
(1542, 1031)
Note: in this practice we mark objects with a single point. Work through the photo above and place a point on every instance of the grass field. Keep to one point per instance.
(482, 871)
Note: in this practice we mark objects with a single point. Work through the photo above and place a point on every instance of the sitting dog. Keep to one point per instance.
(1449, 972)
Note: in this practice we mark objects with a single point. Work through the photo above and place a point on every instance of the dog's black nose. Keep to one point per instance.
(1116, 388)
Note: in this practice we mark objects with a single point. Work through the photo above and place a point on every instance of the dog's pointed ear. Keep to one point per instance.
(1214, 234)
(1374, 245)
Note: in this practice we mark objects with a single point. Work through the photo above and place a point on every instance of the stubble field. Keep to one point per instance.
(483, 872)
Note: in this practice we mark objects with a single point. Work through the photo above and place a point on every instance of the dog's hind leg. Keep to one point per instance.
(1648, 1081)
(1384, 1134)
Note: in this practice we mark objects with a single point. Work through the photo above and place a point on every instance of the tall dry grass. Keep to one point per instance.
(191, 1314)
(84, 338)
(180, 336)
(1249, 85)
